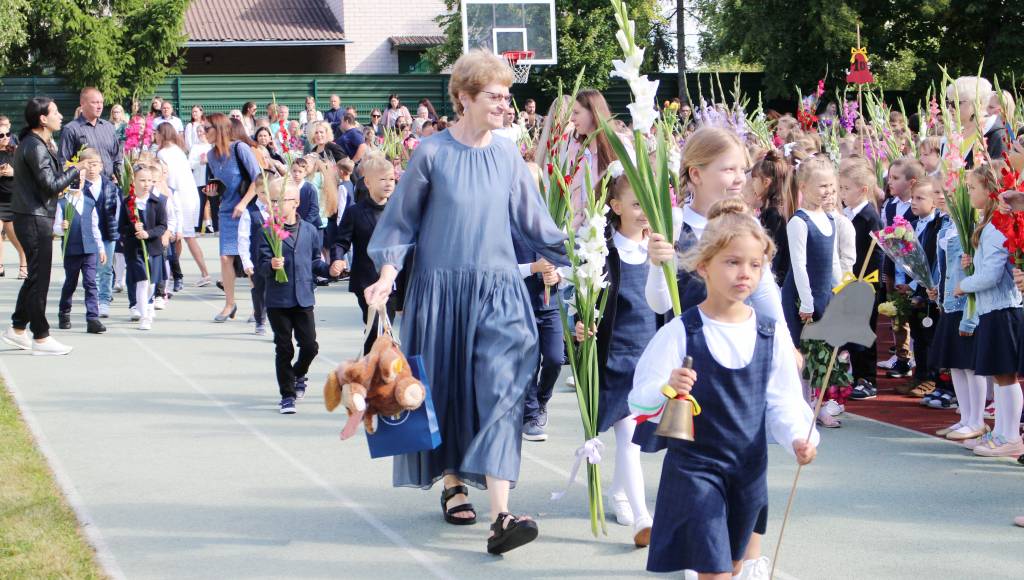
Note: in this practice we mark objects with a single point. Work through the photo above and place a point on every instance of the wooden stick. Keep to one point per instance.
(792, 490)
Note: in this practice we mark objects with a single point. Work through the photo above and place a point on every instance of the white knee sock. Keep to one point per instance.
(977, 390)
(1009, 404)
(142, 299)
(961, 386)
(627, 468)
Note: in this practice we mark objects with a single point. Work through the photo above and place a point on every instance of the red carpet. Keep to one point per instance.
(894, 408)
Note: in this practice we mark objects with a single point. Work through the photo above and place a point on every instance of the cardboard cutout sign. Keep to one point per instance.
(847, 317)
(860, 69)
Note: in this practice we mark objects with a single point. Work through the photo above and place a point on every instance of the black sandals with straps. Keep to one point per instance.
(449, 513)
(517, 533)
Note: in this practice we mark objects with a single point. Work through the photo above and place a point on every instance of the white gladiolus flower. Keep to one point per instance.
(615, 169)
(675, 159)
(621, 37)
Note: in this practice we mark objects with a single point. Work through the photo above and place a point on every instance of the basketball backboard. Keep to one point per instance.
(502, 25)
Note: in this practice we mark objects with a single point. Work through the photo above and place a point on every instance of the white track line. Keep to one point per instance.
(434, 569)
(104, 557)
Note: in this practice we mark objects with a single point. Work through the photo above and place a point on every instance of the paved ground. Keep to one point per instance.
(172, 444)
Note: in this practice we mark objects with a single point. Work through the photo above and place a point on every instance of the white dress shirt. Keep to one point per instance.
(765, 299)
(78, 202)
(788, 416)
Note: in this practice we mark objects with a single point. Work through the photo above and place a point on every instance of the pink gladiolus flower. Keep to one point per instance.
(821, 89)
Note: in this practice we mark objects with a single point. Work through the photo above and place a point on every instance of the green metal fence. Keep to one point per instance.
(365, 92)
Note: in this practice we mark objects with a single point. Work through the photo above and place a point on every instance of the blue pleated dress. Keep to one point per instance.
(467, 311)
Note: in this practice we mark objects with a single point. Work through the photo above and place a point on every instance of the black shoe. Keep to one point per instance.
(220, 284)
(900, 369)
(892, 350)
(863, 391)
(65, 321)
(322, 281)
(300, 387)
(94, 326)
(1020, 460)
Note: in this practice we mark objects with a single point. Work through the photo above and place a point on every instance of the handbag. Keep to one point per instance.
(409, 431)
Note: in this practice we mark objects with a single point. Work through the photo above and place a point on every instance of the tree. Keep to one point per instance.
(13, 32)
(906, 39)
(586, 38)
(123, 47)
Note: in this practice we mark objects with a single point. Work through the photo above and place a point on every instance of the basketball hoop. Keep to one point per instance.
(520, 71)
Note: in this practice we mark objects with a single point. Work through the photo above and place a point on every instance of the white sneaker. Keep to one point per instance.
(570, 381)
(159, 303)
(22, 341)
(104, 310)
(49, 347)
(622, 509)
(146, 324)
(887, 364)
(135, 314)
(756, 569)
(203, 282)
(832, 407)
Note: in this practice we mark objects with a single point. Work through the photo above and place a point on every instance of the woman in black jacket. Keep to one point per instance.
(39, 180)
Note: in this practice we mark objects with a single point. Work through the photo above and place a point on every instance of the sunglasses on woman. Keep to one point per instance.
(4, 135)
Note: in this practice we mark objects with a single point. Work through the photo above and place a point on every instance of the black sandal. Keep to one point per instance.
(519, 532)
(449, 513)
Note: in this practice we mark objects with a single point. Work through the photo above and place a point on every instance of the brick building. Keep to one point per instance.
(310, 36)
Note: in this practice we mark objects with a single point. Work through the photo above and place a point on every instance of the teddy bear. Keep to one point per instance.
(380, 383)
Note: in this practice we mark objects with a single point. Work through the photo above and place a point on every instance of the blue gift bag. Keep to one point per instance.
(412, 431)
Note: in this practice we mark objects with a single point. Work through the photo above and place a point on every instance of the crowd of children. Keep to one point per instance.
(764, 234)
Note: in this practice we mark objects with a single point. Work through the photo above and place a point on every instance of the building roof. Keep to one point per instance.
(415, 41)
(222, 22)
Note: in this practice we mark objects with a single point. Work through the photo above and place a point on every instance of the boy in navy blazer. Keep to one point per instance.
(83, 251)
(290, 304)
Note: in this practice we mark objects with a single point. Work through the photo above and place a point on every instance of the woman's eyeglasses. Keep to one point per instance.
(375, 116)
(497, 98)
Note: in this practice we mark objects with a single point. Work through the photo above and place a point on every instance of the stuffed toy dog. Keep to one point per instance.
(379, 383)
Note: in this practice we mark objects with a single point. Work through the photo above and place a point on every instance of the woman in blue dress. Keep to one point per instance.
(467, 311)
(234, 165)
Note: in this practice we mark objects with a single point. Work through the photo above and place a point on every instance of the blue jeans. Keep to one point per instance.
(552, 357)
(105, 274)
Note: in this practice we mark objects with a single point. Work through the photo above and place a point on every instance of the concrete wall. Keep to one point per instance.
(266, 60)
(369, 23)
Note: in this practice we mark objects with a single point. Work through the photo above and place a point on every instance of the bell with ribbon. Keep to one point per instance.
(677, 417)
(860, 69)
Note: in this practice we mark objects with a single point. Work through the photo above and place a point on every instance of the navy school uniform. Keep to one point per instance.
(865, 221)
(353, 235)
(627, 326)
(80, 257)
(549, 333)
(888, 215)
(922, 335)
(819, 272)
(714, 492)
(154, 220)
(108, 207)
(290, 304)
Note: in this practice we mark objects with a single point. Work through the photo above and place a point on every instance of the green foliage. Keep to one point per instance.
(586, 38)
(13, 31)
(123, 47)
(797, 41)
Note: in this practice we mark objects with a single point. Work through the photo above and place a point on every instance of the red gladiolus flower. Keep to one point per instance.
(551, 168)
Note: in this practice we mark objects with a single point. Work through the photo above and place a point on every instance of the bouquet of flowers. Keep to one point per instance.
(273, 229)
(1011, 224)
(818, 353)
(69, 216)
(899, 242)
(958, 200)
(588, 250)
(134, 214)
(898, 309)
(650, 181)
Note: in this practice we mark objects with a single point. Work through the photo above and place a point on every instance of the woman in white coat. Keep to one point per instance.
(182, 182)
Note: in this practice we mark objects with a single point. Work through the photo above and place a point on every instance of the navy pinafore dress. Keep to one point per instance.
(819, 272)
(714, 491)
(635, 325)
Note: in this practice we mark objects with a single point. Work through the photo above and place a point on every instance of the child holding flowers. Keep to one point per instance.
(142, 227)
(625, 329)
(290, 302)
(1000, 317)
(77, 222)
(745, 376)
(953, 344)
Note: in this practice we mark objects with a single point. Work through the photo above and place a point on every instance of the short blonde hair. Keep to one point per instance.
(707, 144)
(89, 154)
(728, 219)
(858, 170)
(473, 71)
(970, 89)
(813, 166)
(327, 128)
(375, 161)
(931, 144)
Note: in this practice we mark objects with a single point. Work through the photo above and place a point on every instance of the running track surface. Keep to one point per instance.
(170, 448)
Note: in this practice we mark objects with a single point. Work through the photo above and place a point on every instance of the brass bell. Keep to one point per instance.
(677, 418)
